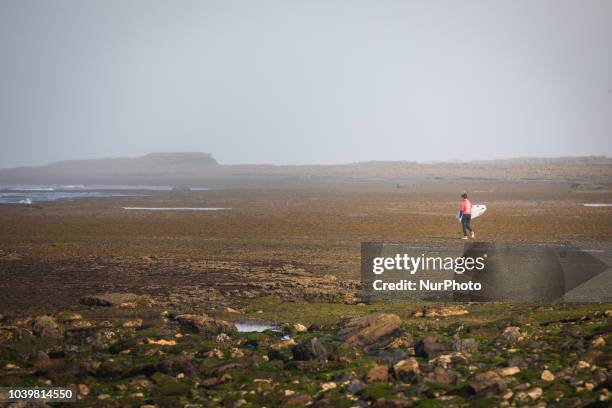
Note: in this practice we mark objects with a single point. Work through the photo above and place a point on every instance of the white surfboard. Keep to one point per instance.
(478, 210)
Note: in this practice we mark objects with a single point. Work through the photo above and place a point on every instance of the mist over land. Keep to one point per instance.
(202, 169)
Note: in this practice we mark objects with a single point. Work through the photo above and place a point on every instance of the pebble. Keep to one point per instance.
(326, 386)
(547, 376)
(162, 342)
(598, 342)
(355, 386)
(83, 389)
(582, 365)
(508, 371)
(300, 328)
(240, 402)
(535, 393)
(215, 353)
(134, 323)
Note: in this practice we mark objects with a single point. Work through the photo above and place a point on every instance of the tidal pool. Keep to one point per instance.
(246, 327)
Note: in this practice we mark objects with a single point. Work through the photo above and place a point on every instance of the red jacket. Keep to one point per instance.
(466, 206)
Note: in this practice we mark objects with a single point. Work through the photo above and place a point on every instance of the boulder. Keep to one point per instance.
(441, 311)
(300, 400)
(127, 300)
(46, 326)
(487, 382)
(310, 349)
(378, 373)
(393, 403)
(508, 371)
(205, 324)
(355, 387)
(214, 381)
(469, 345)
(391, 357)
(39, 356)
(370, 331)
(454, 359)
(177, 365)
(512, 334)
(429, 347)
(407, 370)
(442, 375)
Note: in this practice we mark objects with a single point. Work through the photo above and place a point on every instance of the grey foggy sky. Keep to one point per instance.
(300, 82)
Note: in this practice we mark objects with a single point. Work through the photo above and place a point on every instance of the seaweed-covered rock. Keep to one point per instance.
(393, 403)
(169, 385)
(178, 365)
(441, 311)
(127, 300)
(205, 324)
(310, 349)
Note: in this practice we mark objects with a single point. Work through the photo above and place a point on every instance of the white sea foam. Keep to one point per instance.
(175, 208)
(36, 193)
(90, 187)
(29, 197)
(597, 205)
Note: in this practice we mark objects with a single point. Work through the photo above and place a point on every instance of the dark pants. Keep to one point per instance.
(465, 223)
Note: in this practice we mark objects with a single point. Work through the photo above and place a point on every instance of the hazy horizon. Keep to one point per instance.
(305, 82)
(449, 161)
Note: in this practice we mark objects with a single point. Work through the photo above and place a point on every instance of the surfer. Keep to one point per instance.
(465, 215)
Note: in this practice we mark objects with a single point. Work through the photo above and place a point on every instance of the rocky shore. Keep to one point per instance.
(127, 350)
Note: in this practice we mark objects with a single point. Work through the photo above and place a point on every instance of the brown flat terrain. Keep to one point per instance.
(284, 242)
(72, 272)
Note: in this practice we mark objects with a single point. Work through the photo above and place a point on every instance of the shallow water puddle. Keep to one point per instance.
(246, 327)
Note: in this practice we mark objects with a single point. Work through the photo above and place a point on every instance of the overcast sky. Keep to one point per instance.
(297, 82)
